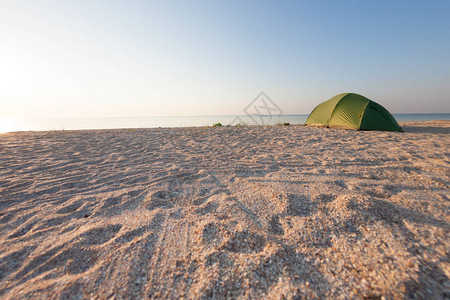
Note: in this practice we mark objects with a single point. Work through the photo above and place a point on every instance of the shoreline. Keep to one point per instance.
(408, 123)
(224, 124)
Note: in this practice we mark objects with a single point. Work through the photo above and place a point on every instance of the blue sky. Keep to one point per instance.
(156, 58)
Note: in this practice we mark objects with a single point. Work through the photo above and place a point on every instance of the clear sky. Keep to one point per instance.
(155, 58)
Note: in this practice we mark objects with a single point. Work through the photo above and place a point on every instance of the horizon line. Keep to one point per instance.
(194, 116)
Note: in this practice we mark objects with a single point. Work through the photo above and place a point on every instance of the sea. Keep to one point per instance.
(44, 124)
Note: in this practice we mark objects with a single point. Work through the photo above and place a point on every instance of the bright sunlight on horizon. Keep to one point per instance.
(180, 58)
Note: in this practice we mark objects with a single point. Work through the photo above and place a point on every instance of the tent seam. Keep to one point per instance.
(363, 114)
(334, 108)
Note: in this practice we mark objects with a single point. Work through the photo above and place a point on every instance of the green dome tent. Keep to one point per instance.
(352, 111)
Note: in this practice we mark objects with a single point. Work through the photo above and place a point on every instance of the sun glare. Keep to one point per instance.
(9, 124)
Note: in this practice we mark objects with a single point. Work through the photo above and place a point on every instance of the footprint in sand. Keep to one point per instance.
(163, 199)
(299, 206)
(324, 198)
(391, 189)
(218, 257)
(275, 226)
(157, 222)
(245, 242)
(210, 234)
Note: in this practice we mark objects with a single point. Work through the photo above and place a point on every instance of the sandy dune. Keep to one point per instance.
(244, 212)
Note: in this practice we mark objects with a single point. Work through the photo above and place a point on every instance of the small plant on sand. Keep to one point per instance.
(217, 125)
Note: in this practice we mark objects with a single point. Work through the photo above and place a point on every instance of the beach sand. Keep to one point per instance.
(240, 212)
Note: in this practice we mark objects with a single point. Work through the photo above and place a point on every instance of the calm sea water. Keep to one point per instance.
(37, 124)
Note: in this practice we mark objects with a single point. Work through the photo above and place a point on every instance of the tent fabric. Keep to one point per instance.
(352, 111)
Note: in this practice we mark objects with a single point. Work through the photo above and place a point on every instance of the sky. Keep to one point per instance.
(181, 58)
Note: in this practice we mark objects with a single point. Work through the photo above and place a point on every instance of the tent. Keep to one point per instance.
(352, 111)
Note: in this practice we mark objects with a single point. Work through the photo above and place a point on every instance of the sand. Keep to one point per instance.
(240, 212)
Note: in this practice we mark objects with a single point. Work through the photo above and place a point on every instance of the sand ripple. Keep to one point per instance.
(244, 212)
